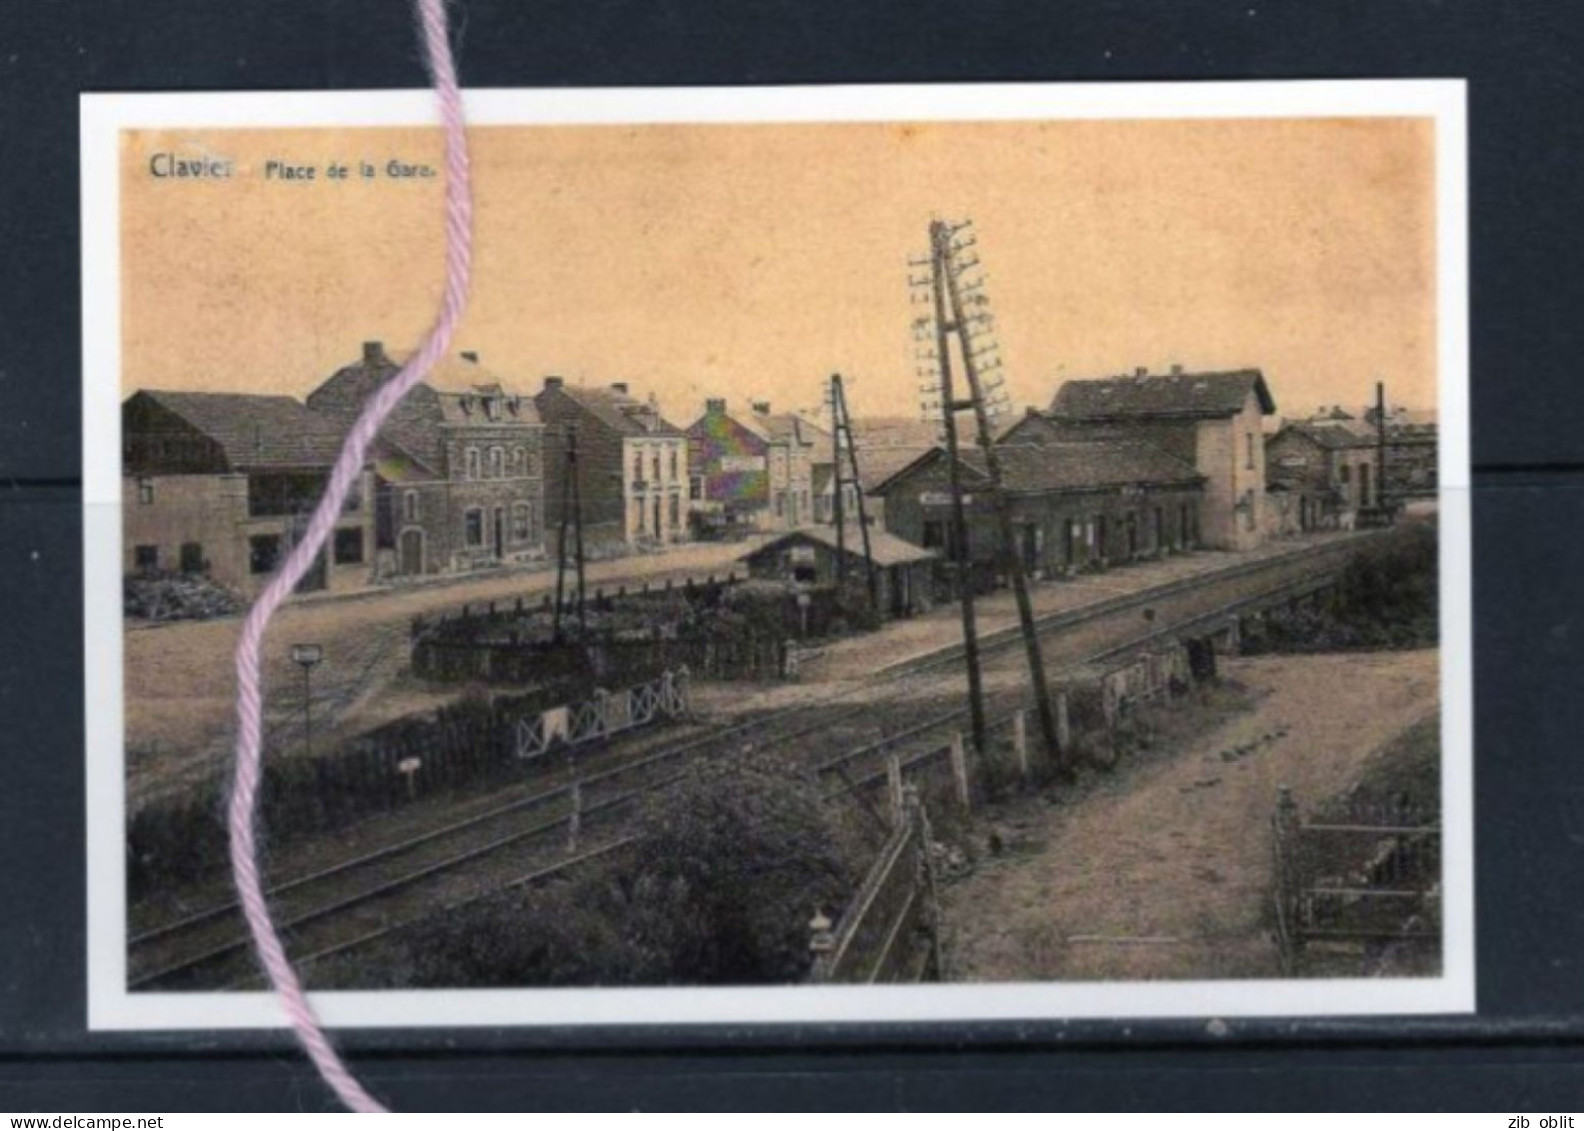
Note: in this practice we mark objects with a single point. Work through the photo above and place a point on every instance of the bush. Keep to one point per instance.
(727, 867)
(1387, 598)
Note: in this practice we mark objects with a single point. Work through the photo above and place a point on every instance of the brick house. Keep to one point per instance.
(459, 482)
(633, 464)
(222, 484)
(1212, 421)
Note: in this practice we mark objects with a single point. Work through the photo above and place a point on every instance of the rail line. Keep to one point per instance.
(211, 944)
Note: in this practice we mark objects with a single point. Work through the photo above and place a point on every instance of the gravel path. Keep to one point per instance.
(1163, 870)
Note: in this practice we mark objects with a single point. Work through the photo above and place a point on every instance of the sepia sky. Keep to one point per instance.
(753, 261)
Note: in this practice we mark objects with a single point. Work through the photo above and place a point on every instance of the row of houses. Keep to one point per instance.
(469, 473)
(1125, 468)
(466, 473)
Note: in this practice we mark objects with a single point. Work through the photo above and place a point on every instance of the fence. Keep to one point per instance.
(1354, 872)
(890, 932)
(472, 742)
(603, 715)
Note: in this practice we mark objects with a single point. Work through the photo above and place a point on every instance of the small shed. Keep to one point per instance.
(808, 557)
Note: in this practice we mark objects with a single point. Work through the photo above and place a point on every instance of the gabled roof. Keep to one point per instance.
(1065, 465)
(1187, 396)
(886, 548)
(1332, 436)
(749, 422)
(790, 427)
(256, 433)
(621, 412)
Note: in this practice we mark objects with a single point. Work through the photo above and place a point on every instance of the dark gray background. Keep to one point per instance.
(1525, 66)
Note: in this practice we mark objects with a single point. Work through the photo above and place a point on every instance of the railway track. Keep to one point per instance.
(526, 840)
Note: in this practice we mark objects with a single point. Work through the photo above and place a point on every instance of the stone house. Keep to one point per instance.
(222, 484)
(1328, 470)
(460, 477)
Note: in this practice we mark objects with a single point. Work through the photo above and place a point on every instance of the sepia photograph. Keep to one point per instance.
(870, 554)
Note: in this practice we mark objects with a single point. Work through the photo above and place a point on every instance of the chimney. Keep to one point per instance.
(1141, 371)
(374, 353)
(470, 355)
(762, 407)
(553, 382)
(619, 387)
(715, 406)
(1176, 370)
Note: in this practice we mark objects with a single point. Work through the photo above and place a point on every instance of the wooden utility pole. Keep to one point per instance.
(940, 250)
(837, 508)
(1012, 558)
(1380, 448)
(571, 514)
(841, 426)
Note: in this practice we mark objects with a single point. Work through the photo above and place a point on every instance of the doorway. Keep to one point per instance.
(412, 552)
(500, 533)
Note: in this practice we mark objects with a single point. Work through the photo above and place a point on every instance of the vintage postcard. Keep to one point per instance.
(872, 554)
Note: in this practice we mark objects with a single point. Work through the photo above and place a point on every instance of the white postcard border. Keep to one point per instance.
(112, 1007)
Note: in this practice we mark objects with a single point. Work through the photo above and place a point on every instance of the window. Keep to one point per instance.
(145, 491)
(146, 557)
(780, 503)
(349, 546)
(410, 507)
(696, 487)
(522, 522)
(497, 463)
(519, 462)
(473, 533)
(676, 511)
(472, 462)
(263, 553)
(934, 535)
(674, 464)
(656, 466)
(638, 470)
(1249, 437)
(192, 559)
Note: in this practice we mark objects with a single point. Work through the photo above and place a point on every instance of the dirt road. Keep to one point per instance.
(1163, 871)
(181, 687)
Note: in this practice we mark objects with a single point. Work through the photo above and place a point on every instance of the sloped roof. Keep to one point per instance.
(886, 548)
(257, 432)
(1182, 396)
(411, 426)
(620, 412)
(747, 421)
(1067, 465)
(1333, 436)
(786, 426)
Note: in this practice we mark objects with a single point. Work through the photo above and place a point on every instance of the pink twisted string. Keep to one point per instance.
(348, 466)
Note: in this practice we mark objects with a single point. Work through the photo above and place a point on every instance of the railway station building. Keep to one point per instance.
(1077, 504)
(1211, 421)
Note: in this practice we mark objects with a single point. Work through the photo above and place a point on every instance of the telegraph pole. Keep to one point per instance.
(571, 515)
(841, 424)
(940, 244)
(837, 508)
(947, 268)
(1380, 448)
